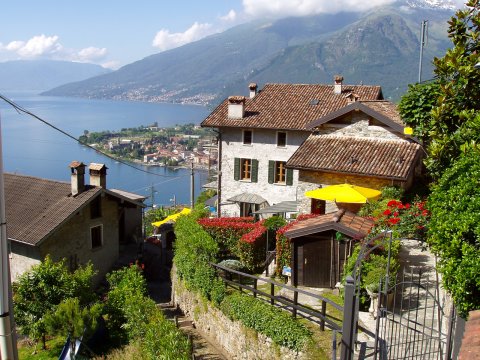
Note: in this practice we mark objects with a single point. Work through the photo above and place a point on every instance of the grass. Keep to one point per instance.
(26, 350)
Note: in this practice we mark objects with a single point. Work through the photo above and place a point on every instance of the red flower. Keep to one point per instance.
(394, 221)
(399, 205)
(387, 212)
(392, 203)
(425, 212)
(395, 213)
(407, 206)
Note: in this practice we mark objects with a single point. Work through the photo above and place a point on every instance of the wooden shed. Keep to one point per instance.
(318, 255)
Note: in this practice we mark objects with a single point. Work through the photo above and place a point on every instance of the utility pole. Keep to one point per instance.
(8, 343)
(192, 187)
(422, 44)
(152, 195)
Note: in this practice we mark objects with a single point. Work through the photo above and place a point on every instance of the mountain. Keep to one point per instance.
(41, 75)
(376, 47)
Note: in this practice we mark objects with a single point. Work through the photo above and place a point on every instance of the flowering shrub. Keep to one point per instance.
(251, 247)
(227, 231)
(406, 220)
(284, 248)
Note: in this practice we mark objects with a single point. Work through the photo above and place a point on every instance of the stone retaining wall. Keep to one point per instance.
(238, 341)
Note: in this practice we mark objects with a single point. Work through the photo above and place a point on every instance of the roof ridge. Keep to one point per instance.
(37, 178)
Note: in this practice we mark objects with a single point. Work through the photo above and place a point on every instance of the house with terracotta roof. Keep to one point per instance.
(73, 220)
(280, 142)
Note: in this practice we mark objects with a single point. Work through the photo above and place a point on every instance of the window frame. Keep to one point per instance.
(243, 137)
(277, 137)
(248, 162)
(92, 247)
(282, 169)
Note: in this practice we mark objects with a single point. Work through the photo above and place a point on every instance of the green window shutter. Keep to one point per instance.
(271, 171)
(236, 169)
(254, 170)
(289, 179)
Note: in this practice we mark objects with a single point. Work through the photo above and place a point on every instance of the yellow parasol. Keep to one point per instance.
(173, 217)
(344, 193)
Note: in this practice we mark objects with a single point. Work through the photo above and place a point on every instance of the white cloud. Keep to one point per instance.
(165, 40)
(281, 8)
(49, 47)
(91, 53)
(231, 16)
(113, 65)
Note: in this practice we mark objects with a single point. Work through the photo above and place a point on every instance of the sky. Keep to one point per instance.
(113, 33)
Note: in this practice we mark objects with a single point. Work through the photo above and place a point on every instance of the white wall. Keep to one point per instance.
(263, 148)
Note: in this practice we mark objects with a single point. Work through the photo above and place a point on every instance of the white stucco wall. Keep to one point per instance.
(263, 149)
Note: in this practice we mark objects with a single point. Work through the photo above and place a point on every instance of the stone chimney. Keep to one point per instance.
(337, 87)
(98, 175)
(77, 177)
(253, 90)
(236, 107)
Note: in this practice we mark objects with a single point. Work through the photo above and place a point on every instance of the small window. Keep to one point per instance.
(96, 208)
(245, 169)
(247, 137)
(281, 139)
(280, 172)
(96, 236)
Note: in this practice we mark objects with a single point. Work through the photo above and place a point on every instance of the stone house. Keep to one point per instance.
(362, 144)
(258, 135)
(75, 221)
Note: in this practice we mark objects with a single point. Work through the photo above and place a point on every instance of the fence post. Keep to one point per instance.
(240, 277)
(272, 293)
(255, 287)
(324, 313)
(348, 326)
(295, 302)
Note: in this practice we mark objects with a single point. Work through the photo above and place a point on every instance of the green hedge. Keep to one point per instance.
(268, 320)
(194, 250)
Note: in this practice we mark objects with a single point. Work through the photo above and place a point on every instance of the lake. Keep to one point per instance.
(32, 148)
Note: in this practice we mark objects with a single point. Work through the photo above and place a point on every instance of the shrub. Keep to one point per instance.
(266, 319)
(251, 248)
(454, 231)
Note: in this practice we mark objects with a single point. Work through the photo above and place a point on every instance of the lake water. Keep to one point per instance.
(32, 148)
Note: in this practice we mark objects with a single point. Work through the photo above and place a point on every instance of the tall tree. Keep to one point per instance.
(455, 121)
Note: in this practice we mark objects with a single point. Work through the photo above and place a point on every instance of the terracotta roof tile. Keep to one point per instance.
(35, 207)
(290, 106)
(343, 221)
(386, 108)
(392, 159)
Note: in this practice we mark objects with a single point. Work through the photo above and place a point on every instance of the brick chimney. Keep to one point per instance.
(77, 177)
(98, 175)
(253, 90)
(236, 107)
(337, 87)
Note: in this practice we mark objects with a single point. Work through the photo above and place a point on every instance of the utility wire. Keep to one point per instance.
(20, 109)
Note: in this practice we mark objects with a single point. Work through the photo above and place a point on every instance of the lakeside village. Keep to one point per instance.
(152, 145)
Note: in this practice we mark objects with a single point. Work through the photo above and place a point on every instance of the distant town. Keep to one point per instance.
(155, 146)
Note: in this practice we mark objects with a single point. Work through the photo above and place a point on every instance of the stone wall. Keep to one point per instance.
(22, 258)
(73, 242)
(235, 339)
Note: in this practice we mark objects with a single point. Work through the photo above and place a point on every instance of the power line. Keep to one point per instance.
(18, 108)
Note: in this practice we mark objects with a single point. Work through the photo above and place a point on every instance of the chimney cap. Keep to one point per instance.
(252, 86)
(338, 78)
(75, 164)
(236, 99)
(97, 167)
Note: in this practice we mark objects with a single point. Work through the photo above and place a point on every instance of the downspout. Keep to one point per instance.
(219, 174)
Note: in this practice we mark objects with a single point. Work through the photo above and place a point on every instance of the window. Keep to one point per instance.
(247, 137)
(247, 209)
(246, 169)
(96, 236)
(279, 174)
(281, 139)
(96, 208)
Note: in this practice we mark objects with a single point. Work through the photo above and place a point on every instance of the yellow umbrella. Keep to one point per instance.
(173, 217)
(344, 193)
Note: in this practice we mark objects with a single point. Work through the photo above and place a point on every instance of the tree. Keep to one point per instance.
(455, 119)
(70, 319)
(39, 291)
(454, 231)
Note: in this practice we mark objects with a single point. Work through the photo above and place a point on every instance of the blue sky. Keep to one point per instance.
(115, 33)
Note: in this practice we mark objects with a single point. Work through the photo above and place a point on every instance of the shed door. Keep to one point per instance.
(316, 263)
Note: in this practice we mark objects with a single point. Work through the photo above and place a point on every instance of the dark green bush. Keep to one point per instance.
(454, 232)
(268, 320)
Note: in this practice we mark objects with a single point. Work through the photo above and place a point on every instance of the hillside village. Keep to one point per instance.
(340, 225)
